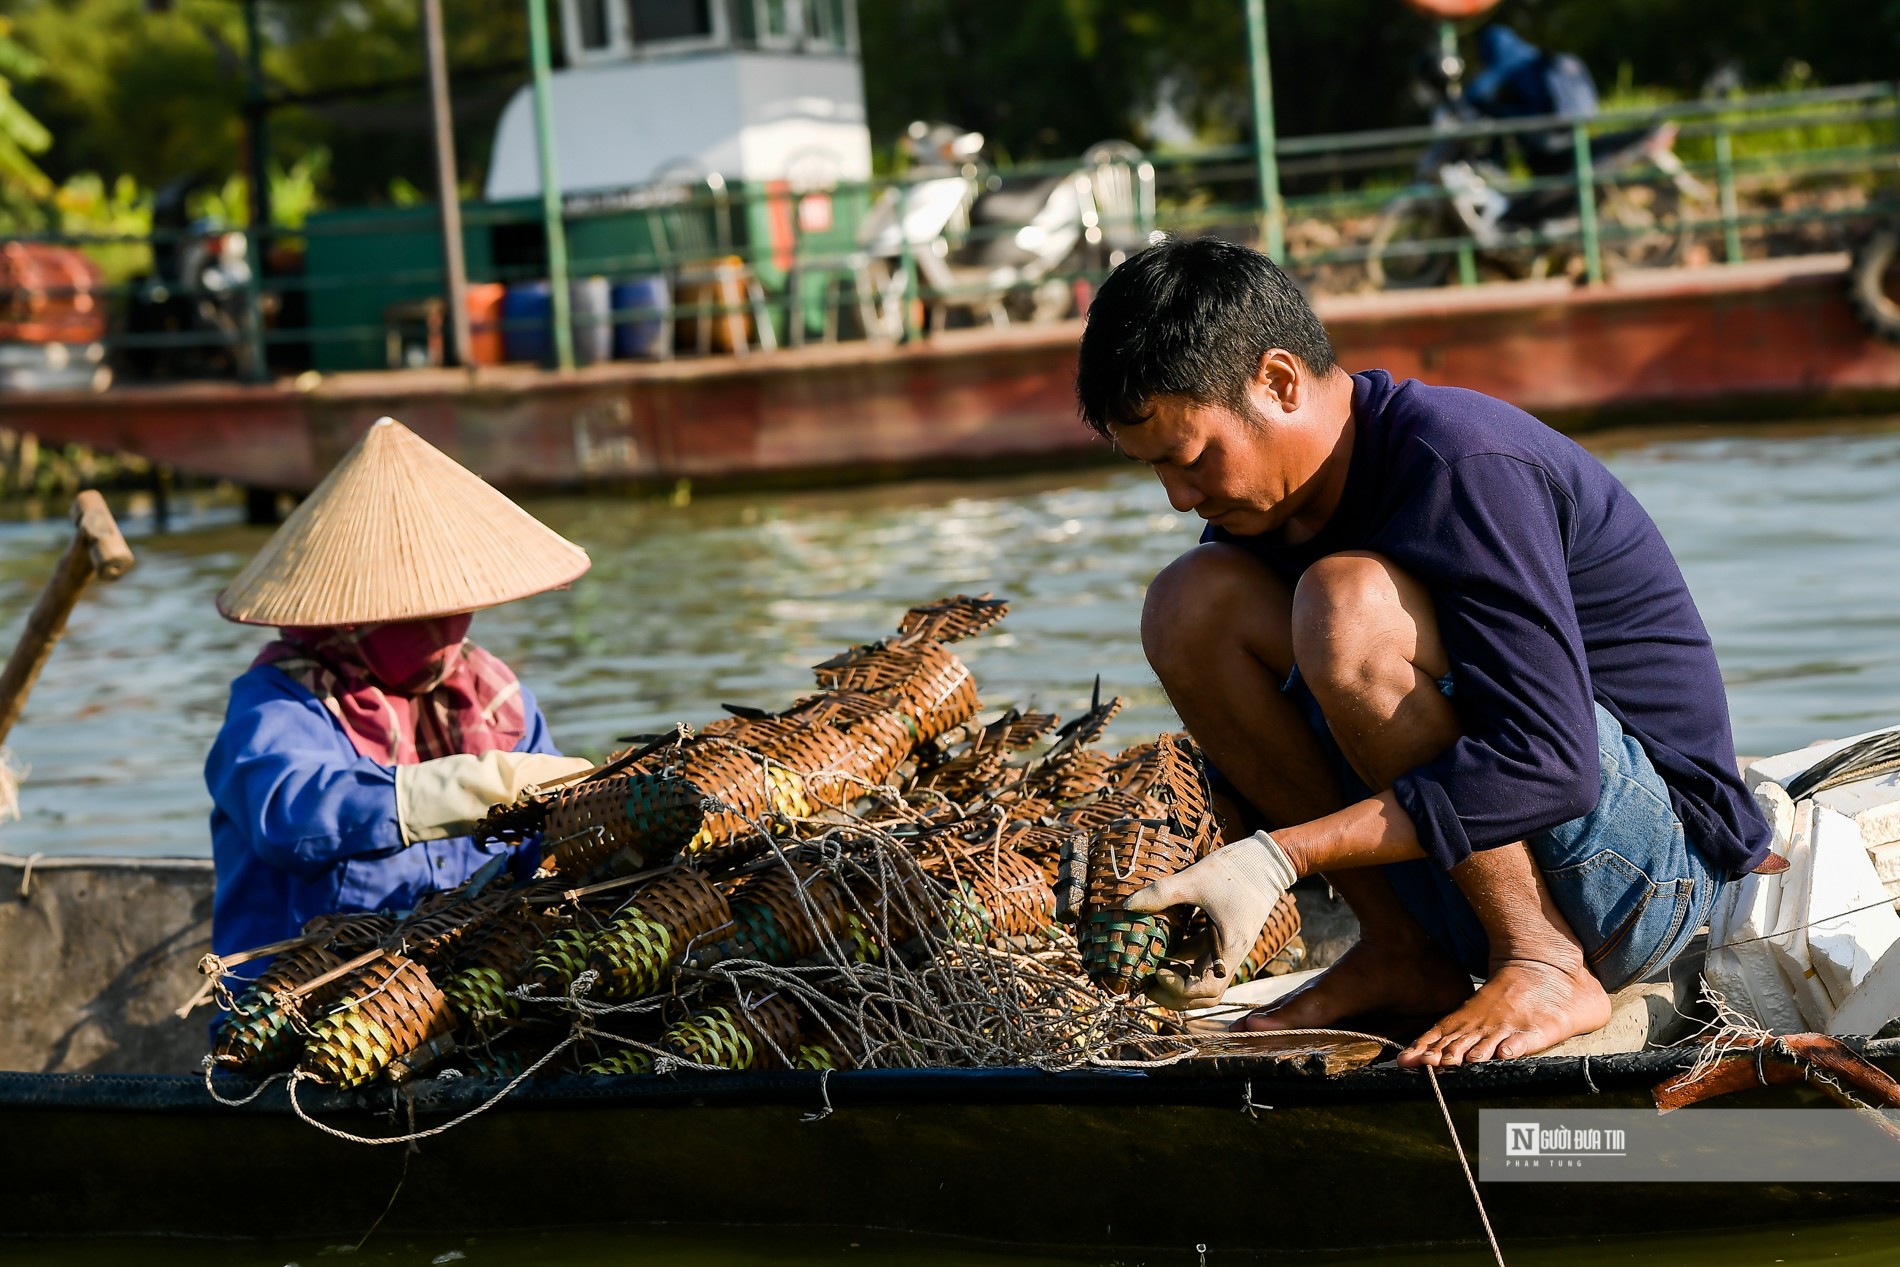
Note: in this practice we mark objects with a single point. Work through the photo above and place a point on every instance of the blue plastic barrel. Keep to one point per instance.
(589, 304)
(527, 322)
(643, 330)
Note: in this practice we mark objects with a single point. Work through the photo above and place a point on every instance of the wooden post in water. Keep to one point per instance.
(253, 362)
(539, 56)
(97, 548)
(448, 197)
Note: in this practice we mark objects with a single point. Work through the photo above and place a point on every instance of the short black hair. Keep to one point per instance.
(1190, 318)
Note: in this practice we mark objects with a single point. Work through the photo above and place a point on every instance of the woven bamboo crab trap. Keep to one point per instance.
(873, 876)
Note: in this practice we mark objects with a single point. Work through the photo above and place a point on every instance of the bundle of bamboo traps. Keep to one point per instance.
(871, 877)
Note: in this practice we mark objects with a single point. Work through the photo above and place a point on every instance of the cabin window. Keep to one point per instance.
(591, 19)
(742, 21)
(826, 25)
(658, 20)
(776, 20)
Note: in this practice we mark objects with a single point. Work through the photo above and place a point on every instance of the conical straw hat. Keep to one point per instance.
(398, 531)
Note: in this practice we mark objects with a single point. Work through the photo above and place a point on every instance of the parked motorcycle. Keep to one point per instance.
(999, 246)
(192, 314)
(1462, 189)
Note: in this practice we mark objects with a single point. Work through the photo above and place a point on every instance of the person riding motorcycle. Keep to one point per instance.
(1519, 81)
(1464, 187)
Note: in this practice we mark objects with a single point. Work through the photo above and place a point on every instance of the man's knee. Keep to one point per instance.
(1212, 592)
(1357, 616)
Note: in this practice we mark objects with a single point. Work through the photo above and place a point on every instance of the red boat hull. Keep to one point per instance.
(1694, 344)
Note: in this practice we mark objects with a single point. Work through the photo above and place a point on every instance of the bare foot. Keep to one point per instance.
(1385, 976)
(1526, 1006)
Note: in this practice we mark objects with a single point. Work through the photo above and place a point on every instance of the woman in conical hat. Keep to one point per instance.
(364, 743)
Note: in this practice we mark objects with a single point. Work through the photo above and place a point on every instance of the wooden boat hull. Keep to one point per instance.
(1097, 1160)
(98, 952)
(1768, 339)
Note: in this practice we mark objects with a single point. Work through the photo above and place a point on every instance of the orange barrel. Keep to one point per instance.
(484, 323)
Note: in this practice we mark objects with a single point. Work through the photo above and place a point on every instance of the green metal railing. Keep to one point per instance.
(1784, 171)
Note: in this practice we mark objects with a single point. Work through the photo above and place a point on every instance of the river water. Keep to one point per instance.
(1790, 539)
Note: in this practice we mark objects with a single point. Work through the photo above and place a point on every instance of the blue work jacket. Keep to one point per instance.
(302, 825)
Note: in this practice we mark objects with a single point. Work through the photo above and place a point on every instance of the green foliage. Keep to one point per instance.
(405, 193)
(86, 205)
(21, 135)
(293, 193)
(1677, 44)
(121, 90)
(158, 96)
(1046, 78)
(126, 91)
(1810, 134)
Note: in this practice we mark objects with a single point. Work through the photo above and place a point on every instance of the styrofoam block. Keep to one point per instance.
(1741, 964)
(1873, 804)
(1886, 860)
(1875, 1002)
(1790, 940)
(1779, 811)
(1851, 922)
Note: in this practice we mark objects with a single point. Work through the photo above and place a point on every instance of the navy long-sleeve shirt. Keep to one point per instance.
(302, 825)
(1553, 588)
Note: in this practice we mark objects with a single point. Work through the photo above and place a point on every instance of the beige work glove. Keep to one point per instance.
(449, 795)
(1237, 886)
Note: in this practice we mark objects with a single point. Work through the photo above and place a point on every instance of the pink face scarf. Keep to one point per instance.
(406, 691)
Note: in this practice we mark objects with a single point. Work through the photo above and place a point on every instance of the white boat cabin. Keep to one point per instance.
(684, 90)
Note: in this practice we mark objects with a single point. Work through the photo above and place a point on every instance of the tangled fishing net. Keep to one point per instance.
(872, 877)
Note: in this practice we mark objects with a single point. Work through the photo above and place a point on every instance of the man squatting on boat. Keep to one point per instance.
(365, 742)
(1437, 654)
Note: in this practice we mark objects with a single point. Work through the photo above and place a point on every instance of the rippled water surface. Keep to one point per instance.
(1791, 544)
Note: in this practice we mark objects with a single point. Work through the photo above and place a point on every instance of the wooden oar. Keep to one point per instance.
(97, 549)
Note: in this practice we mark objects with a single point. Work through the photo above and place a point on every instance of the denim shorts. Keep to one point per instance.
(1624, 875)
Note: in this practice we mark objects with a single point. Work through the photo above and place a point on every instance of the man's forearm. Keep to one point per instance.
(1369, 833)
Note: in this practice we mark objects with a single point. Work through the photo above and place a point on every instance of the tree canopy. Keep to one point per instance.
(1049, 77)
(21, 135)
(123, 90)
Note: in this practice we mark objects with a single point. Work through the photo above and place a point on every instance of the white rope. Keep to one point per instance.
(210, 1063)
(824, 1090)
(1458, 1147)
(33, 860)
(1818, 919)
(413, 1136)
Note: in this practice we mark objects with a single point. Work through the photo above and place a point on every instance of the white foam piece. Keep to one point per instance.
(1851, 922)
(1775, 806)
(1790, 940)
(1886, 860)
(1875, 1002)
(1873, 804)
(1741, 963)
